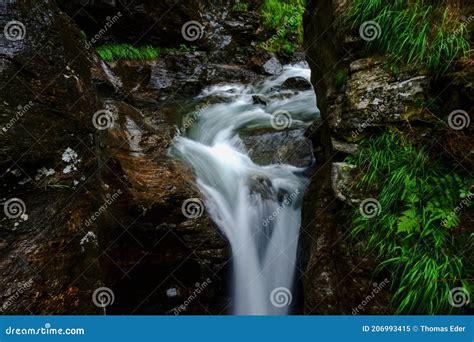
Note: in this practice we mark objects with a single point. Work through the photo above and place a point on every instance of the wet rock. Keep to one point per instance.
(64, 110)
(280, 148)
(174, 73)
(47, 110)
(261, 185)
(260, 99)
(272, 66)
(297, 83)
(137, 21)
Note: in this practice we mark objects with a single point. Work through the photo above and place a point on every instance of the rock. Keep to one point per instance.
(273, 66)
(47, 103)
(373, 97)
(261, 185)
(136, 22)
(280, 148)
(326, 259)
(342, 175)
(260, 99)
(344, 147)
(297, 83)
(120, 185)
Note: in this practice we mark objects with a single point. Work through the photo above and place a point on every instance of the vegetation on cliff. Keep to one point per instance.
(423, 33)
(282, 19)
(286, 19)
(421, 204)
(116, 52)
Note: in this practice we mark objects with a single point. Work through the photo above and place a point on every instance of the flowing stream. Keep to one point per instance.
(257, 207)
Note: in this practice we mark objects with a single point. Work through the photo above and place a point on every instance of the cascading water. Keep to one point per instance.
(256, 207)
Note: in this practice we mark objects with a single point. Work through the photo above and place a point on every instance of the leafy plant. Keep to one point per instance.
(412, 233)
(116, 52)
(422, 33)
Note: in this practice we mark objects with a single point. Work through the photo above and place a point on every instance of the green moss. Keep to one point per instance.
(116, 52)
(285, 20)
(422, 33)
(341, 77)
(413, 231)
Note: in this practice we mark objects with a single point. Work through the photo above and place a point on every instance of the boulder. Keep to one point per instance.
(272, 66)
(297, 83)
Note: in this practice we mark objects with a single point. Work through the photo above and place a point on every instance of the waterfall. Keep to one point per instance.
(257, 207)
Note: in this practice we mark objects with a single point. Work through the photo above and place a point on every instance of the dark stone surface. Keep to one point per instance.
(139, 244)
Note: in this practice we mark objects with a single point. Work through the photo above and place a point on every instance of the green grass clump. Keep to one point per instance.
(285, 19)
(240, 6)
(421, 33)
(413, 232)
(116, 52)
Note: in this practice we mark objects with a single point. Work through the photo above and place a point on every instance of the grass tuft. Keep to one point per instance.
(285, 18)
(240, 6)
(413, 233)
(421, 33)
(116, 52)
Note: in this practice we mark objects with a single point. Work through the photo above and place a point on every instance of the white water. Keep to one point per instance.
(256, 207)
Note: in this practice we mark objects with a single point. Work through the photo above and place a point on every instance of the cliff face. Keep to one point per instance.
(100, 202)
(358, 98)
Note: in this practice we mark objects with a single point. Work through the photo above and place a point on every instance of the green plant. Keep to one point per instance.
(116, 52)
(184, 48)
(54, 183)
(341, 77)
(240, 6)
(285, 18)
(422, 33)
(413, 232)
